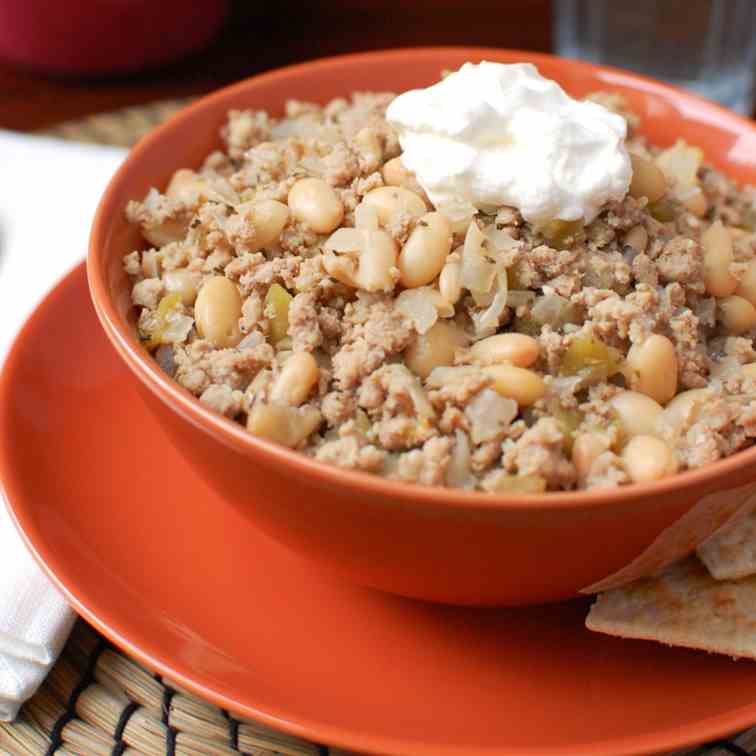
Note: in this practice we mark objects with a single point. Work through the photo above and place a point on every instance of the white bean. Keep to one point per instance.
(217, 312)
(424, 253)
(282, 423)
(652, 368)
(390, 201)
(637, 413)
(435, 348)
(736, 314)
(717, 248)
(514, 348)
(365, 217)
(377, 263)
(269, 219)
(370, 148)
(524, 386)
(314, 202)
(396, 174)
(450, 281)
(296, 380)
(586, 448)
(747, 285)
(647, 458)
(683, 408)
(368, 260)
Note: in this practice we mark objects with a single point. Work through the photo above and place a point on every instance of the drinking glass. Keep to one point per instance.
(708, 46)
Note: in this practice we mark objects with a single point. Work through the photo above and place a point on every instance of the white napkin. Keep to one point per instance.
(49, 190)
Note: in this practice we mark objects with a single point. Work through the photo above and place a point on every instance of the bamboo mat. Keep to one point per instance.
(97, 701)
(119, 128)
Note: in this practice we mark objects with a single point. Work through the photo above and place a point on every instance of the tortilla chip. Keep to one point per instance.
(730, 554)
(683, 606)
(681, 538)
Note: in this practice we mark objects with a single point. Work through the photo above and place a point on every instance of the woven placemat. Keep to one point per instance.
(119, 128)
(97, 701)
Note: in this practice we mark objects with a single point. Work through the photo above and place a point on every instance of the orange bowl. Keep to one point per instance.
(428, 543)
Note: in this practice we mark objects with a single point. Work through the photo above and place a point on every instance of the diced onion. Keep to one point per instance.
(502, 279)
(402, 376)
(312, 165)
(477, 273)
(345, 240)
(459, 214)
(490, 414)
(552, 310)
(458, 472)
(418, 306)
(252, 339)
(499, 240)
(176, 328)
(483, 299)
(474, 238)
(680, 164)
(564, 385)
(520, 298)
(150, 263)
(303, 126)
(488, 321)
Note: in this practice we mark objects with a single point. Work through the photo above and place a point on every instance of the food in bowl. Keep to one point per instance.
(302, 283)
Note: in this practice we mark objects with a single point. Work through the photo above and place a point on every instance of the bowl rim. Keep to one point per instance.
(231, 434)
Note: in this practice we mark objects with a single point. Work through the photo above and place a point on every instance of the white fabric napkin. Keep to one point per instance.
(49, 190)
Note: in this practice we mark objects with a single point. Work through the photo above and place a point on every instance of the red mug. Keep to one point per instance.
(96, 37)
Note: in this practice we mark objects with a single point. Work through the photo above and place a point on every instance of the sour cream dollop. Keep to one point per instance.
(492, 134)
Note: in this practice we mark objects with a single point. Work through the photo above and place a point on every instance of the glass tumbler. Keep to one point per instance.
(708, 46)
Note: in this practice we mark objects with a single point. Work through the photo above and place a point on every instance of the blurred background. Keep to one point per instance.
(62, 61)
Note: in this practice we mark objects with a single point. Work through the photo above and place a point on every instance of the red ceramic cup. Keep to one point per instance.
(94, 37)
(428, 543)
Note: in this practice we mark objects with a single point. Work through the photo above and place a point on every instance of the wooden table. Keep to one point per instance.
(263, 35)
